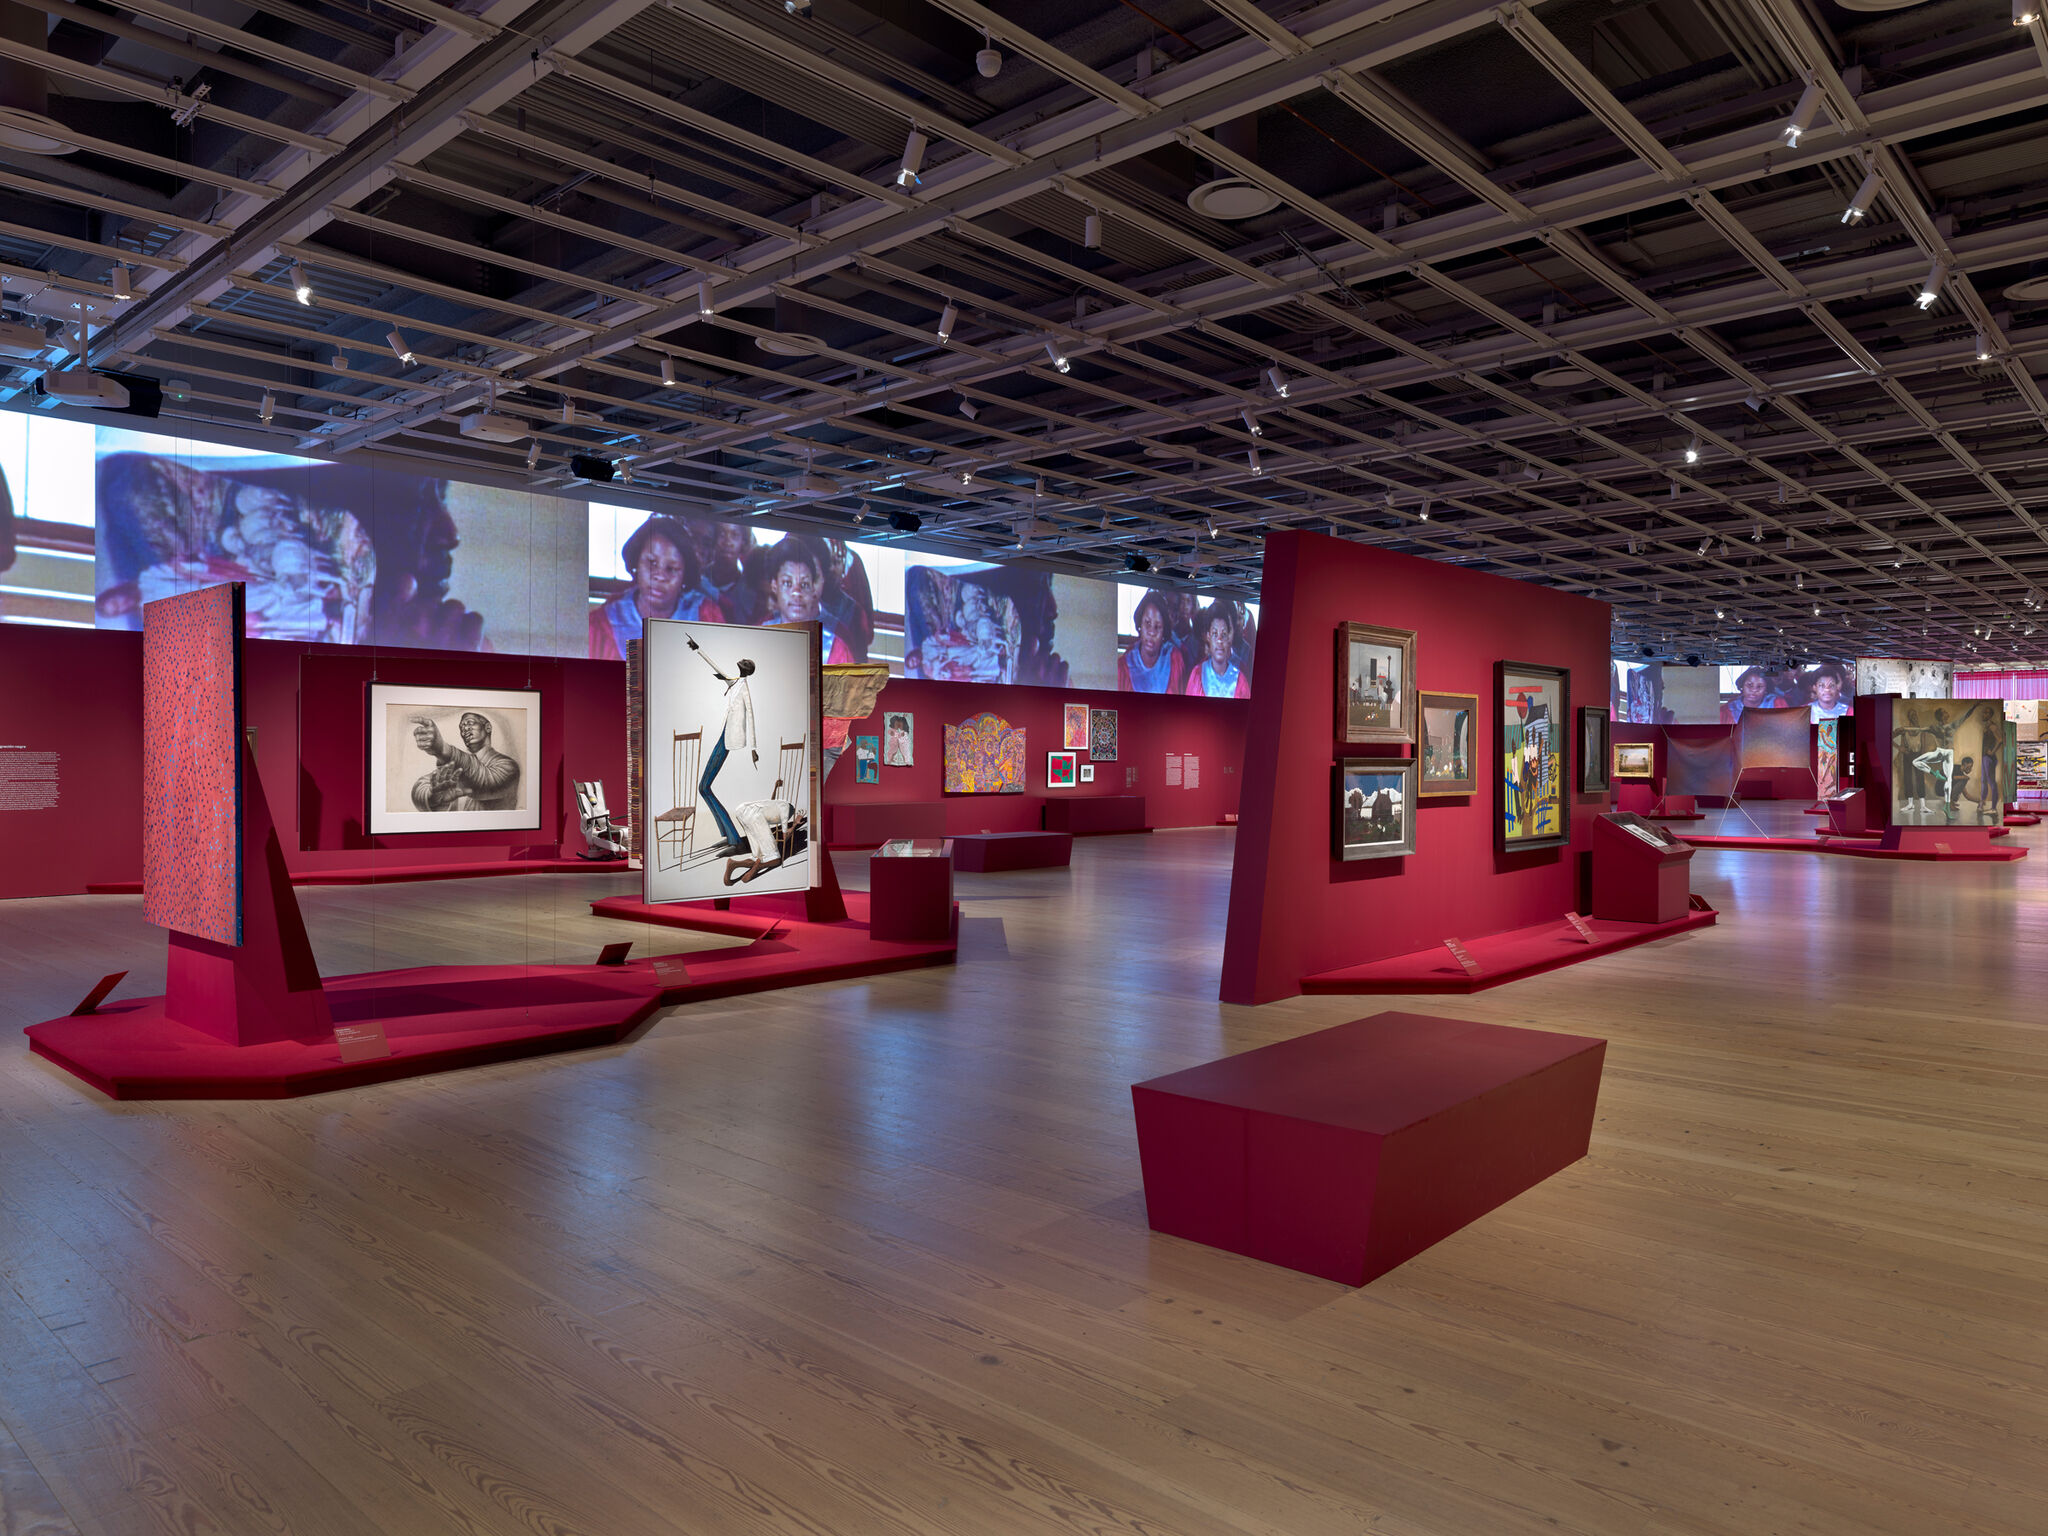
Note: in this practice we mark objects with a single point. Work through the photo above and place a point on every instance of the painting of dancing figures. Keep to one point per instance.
(731, 759)
(1948, 760)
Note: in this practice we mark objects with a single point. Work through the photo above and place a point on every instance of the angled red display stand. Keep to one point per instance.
(1500, 957)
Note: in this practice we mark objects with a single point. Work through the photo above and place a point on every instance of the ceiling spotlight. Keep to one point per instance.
(267, 409)
(1278, 381)
(1930, 285)
(1799, 580)
(1983, 348)
(532, 452)
(1631, 543)
(1251, 422)
(1816, 610)
(913, 160)
(1674, 490)
(1058, 361)
(967, 408)
(302, 285)
(568, 413)
(1692, 451)
(704, 304)
(2023, 13)
(1091, 232)
(967, 475)
(1866, 194)
(948, 318)
(119, 278)
(1424, 514)
(988, 63)
(397, 343)
(1804, 114)
(797, 8)
(1788, 540)
(1756, 533)
(1719, 614)
(1531, 473)
(625, 471)
(1252, 455)
(1753, 400)
(1783, 495)
(668, 370)
(1705, 545)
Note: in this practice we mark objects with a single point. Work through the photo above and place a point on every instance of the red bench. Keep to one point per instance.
(985, 851)
(1349, 1151)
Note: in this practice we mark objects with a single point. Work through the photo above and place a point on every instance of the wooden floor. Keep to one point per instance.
(871, 1257)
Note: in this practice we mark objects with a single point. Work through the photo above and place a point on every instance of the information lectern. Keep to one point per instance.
(1639, 870)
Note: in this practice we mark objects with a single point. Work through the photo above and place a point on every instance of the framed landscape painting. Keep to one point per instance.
(1373, 816)
(1534, 703)
(1449, 763)
(1375, 684)
(1592, 749)
(1634, 760)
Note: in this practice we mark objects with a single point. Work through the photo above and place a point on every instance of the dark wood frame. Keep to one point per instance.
(1567, 723)
(1593, 778)
(1469, 785)
(1368, 735)
(1409, 769)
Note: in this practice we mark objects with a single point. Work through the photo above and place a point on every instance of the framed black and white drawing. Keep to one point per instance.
(452, 760)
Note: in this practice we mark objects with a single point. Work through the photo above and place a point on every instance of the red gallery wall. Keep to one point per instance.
(1294, 908)
(1148, 727)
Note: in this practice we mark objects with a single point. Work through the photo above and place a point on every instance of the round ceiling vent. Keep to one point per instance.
(1231, 197)
(791, 344)
(31, 133)
(2029, 289)
(1875, 5)
(1560, 378)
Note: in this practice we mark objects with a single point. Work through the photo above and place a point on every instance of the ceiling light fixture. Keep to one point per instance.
(1424, 514)
(267, 409)
(399, 347)
(532, 452)
(913, 160)
(1692, 451)
(119, 278)
(704, 304)
(1058, 361)
(967, 408)
(1278, 381)
(1930, 285)
(1252, 456)
(302, 285)
(988, 63)
(668, 370)
(948, 318)
(2023, 13)
(1804, 114)
(1983, 348)
(1091, 232)
(1864, 196)
(1251, 422)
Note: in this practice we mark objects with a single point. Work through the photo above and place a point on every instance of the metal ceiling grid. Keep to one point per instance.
(1551, 290)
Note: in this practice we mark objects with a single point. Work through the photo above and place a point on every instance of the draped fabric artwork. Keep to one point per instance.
(1775, 738)
(2032, 684)
(984, 756)
(192, 762)
(1693, 766)
(1827, 759)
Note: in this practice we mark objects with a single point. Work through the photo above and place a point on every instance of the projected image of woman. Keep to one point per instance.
(666, 584)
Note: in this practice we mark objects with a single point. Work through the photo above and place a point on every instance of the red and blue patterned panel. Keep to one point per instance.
(192, 762)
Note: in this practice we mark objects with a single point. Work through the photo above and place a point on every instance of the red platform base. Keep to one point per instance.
(1348, 1151)
(2022, 819)
(799, 953)
(402, 874)
(1872, 846)
(436, 1018)
(1502, 957)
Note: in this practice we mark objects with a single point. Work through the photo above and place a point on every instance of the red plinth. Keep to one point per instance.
(1677, 808)
(910, 900)
(1347, 1152)
(1638, 795)
(986, 851)
(1089, 814)
(1848, 814)
(1634, 882)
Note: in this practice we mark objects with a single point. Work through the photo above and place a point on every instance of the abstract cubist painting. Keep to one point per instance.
(192, 762)
(1534, 705)
(984, 756)
(1102, 736)
(1948, 761)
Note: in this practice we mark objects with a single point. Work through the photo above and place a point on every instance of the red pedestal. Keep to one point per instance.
(987, 851)
(1942, 839)
(1347, 1152)
(1637, 795)
(1086, 814)
(1635, 881)
(1848, 814)
(910, 900)
(1676, 805)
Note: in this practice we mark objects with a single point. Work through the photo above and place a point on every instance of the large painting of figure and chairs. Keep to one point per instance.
(732, 757)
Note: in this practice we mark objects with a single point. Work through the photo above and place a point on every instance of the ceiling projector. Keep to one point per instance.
(79, 385)
(490, 427)
(24, 341)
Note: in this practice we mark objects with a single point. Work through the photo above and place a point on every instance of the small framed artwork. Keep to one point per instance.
(1592, 749)
(1535, 707)
(1074, 718)
(898, 734)
(1634, 760)
(1102, 735)
(1372, 817)
(1375, 684)
(1447, 723)
(867, 759)
(1059, 770)
(1087, 773)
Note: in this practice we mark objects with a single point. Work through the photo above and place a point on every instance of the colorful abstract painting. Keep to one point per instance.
(984, 756)
(1102, 736)
(1827, 760)
(1075, 719)
(192, 762)
(1059, 770)
(1535, 724)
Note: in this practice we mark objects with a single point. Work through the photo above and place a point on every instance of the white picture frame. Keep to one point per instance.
(408, 790)
(697, 694)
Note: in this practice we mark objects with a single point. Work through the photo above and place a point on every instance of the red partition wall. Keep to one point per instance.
(1294, 909)
(1148, 727)
(70, 759)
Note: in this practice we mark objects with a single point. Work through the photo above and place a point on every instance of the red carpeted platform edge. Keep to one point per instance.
(1502, 957)
(436, 1019)
(401, 874)
(1676, 816)
(1862, 847)
(2024, 819)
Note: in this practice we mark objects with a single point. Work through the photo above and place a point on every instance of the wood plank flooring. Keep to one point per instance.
(871, 1257)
